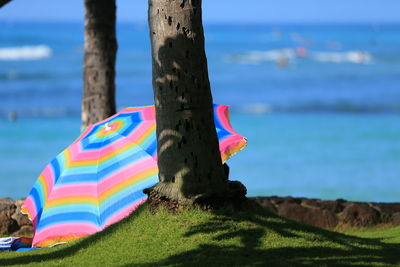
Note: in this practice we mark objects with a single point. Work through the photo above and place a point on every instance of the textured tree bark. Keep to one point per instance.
(189, 160)
(98, 100)
(3, 2)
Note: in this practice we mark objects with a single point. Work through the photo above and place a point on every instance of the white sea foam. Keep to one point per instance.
(25, 52)
(286, 55)
(255, 57)
(358, 57)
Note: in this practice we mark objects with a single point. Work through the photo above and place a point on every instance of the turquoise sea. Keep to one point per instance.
(319, 104)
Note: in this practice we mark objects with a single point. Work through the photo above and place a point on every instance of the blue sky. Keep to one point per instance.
(371, 11)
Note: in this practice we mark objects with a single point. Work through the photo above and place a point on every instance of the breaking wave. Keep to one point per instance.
(255, 57)
(357, 57)
(25, 52)
(288, 54)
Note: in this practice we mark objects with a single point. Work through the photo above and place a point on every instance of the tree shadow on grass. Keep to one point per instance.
(342, 250)
(64, 251)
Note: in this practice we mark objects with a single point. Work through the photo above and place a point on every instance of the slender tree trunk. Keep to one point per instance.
(189, 160)
(3, 2)
(98, 100)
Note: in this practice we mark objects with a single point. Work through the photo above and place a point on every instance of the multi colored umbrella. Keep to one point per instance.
(98, 180)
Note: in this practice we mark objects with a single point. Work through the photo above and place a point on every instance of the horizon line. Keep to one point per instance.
(300, 22)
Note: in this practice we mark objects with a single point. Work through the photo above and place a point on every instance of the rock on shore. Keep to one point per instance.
(326, 214)
(12, 221)
(333, 214)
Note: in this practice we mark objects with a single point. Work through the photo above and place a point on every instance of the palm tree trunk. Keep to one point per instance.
(189, 160)
(3, 2)
(98, 100)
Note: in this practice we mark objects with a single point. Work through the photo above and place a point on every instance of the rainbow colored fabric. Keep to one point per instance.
(98, 180)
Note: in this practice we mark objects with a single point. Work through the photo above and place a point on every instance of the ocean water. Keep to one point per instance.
(319, 104)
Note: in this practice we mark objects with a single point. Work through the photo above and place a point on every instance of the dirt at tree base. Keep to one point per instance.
(235, 198)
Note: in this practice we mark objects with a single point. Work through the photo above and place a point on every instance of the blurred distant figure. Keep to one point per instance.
(12, 116)
(282, 61)
(360, 57)
(301, 52)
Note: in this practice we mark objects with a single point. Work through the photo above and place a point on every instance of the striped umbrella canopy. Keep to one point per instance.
(98, 180)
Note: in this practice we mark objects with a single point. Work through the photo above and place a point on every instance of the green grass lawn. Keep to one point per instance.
(224, 238)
